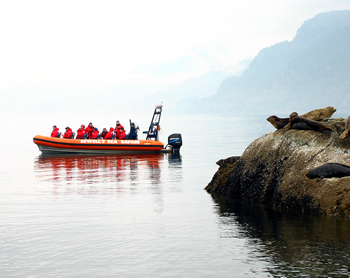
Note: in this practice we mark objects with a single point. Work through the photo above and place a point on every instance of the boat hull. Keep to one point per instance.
(96, 146)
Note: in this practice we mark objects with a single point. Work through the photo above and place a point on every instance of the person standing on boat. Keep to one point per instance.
(110, 134)
(89, 130)
(55, 132)
(68, 134)
(118, 125)
(81, 132)
(117, 128)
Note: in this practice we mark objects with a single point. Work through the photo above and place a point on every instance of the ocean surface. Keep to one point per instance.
(149, 215)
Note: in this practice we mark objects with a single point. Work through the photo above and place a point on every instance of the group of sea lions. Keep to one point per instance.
(306, 121)
(309, 121)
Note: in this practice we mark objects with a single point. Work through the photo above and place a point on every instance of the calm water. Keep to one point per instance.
(148, 215)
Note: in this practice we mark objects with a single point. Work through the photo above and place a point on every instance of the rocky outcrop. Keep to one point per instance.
(273, 168)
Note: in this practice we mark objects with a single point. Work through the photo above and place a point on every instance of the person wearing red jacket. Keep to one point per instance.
(94, 134)
(118, 125)
(68, 133)
(81, 132)
(89, 130)
(103, 133)
(55, 132)
(117, 129)
(109, 135)
(120, 133)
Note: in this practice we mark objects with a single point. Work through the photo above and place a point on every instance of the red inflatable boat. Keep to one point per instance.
(114, 146)
(52, 144)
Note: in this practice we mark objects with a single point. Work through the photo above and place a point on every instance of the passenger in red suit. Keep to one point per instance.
(109, 135)
(117, 129)
(68, 133)
(94, 134)
(81, 132)
(118, 125)
(120, 133)
(90, 129)
(55, 132)
(104, 133)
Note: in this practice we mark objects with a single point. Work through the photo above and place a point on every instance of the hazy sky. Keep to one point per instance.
(81, 44)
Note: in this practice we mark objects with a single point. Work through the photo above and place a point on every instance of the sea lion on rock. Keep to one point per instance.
(319, 114)
(347, 129)
(278, 123)
(301, 123)
(329, 170)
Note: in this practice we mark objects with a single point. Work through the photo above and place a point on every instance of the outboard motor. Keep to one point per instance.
(175, 141)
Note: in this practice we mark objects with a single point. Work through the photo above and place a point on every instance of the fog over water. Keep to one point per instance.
(81, 53)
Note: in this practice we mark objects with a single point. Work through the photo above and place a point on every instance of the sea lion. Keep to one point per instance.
(329, 170)
(347, 129)
(301, 123)
(317, 114)
(278, 123)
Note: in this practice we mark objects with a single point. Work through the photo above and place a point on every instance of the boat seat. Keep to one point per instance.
(154, 134)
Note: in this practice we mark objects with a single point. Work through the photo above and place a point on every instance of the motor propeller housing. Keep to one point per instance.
(175, 141)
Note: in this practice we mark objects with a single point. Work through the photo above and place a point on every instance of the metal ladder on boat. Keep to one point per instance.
(152, 133)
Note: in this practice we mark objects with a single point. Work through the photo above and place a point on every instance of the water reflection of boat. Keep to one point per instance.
(90, 169)
(48, 144)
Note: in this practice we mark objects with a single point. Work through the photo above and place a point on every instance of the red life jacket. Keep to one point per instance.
(89, 130)
(118, 127)
(80, 133)
(68, 133)
(94, 134)
(120, 133)
(109, 134)
(103, 134)
(55, 132)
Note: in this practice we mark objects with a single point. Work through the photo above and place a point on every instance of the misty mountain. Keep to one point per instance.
(198, 59)
(202, 86)
(309, 72)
